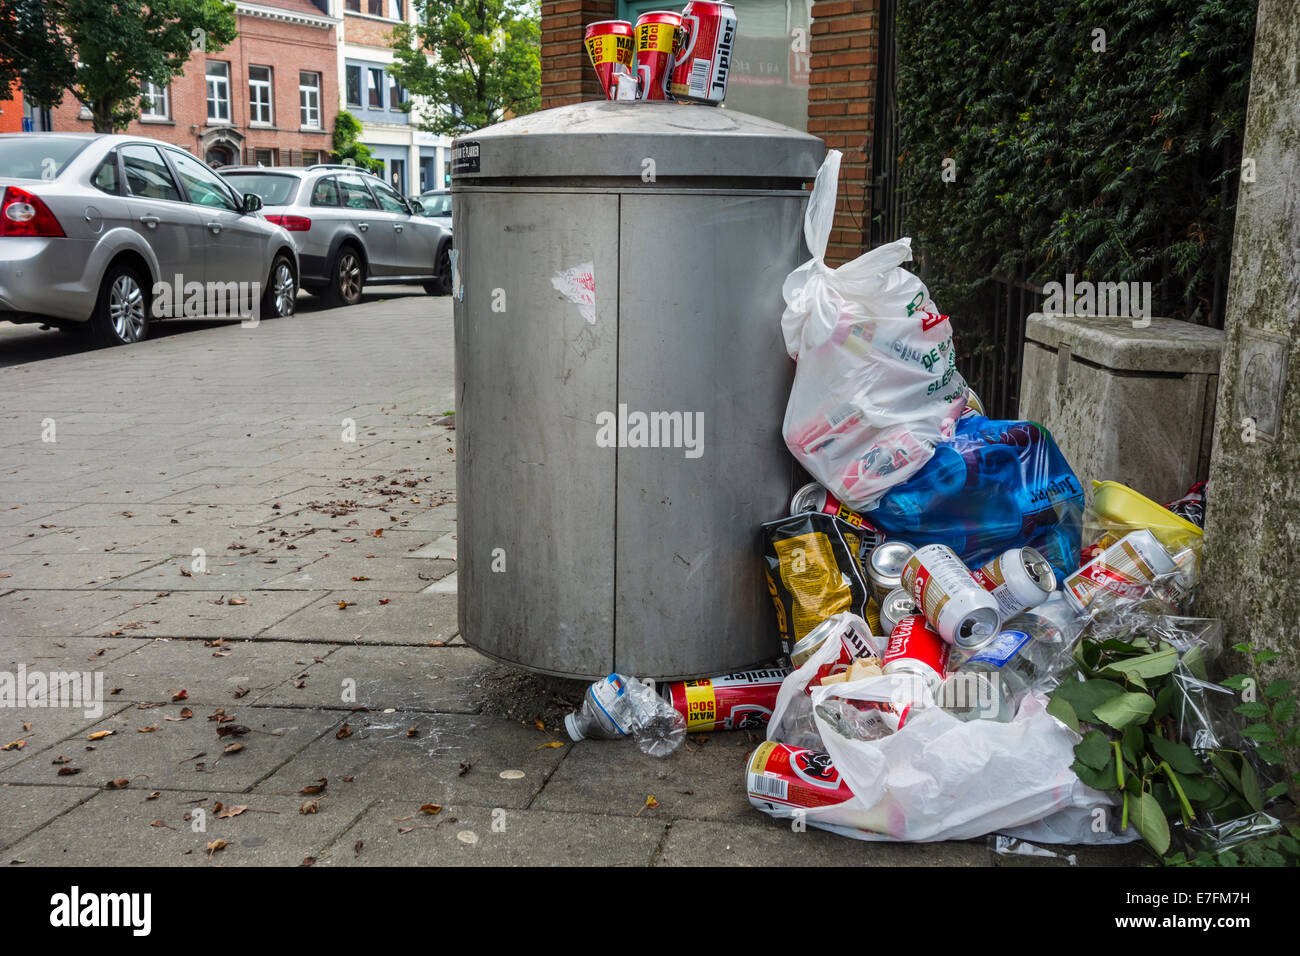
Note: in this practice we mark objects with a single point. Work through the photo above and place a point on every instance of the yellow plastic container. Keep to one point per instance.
(1121, 507)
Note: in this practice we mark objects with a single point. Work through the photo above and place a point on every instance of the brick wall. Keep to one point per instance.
(841, 101)
(367, 32)
(286, 48)
(567, 76)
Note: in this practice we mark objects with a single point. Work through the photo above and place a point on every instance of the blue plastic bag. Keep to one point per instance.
(995, 485)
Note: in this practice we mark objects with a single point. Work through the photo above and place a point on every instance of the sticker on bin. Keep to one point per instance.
(578, 285)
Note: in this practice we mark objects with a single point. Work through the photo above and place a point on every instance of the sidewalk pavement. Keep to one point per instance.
(271, 605)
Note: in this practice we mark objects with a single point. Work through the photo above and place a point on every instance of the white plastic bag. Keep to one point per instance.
(876, 383)
(940, 778)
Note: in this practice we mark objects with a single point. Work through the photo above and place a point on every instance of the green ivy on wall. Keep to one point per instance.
(1097, 137)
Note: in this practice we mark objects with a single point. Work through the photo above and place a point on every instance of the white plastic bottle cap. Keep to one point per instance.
(571, 725)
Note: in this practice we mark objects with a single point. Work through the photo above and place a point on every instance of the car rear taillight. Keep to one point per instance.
(23, 214)
(292, 223)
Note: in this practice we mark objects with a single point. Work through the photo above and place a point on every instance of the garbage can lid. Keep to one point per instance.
(629, 140)
(1126, 344)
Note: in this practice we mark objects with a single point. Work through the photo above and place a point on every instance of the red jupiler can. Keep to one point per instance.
(702, 60)
(916, 648)
(733, 702)
(656, 38)
(780, 777)
(611, 46)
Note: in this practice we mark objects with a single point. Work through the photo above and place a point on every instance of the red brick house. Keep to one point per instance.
(270, 96)
(810, 65)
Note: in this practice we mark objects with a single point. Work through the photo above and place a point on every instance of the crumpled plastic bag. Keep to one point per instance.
(876, 385)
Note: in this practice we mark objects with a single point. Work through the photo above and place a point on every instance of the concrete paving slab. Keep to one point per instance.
(125, 828)
(709, 843)
(229, 674)
(229, 572)
(344, 571)
(429, 679)
(33, 734)
(444, 546)
(704, 779)
(24, 809)
(426, 766)
(76, 571)
(114, 516)
(168, 758)
(64, 613)
(196, 613)
(414, 619)
(398, 834)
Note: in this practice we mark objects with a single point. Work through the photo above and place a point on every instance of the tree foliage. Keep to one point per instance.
(348, 146)
(103, 51)
(475, 61)
(1101, 138)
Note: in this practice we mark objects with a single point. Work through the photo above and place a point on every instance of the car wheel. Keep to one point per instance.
(281, 293)
(441, 284)
(347, 277)
(121, 315)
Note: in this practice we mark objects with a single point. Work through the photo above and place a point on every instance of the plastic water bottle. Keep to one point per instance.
(619, 706)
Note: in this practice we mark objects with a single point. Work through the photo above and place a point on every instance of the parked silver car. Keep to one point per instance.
(437, 205)
(350, 229)
(108, 232)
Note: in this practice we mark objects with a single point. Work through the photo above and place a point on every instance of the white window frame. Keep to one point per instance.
(309, 100)
(371, 71)
(257, 104)
(218, 90)
(150, 96)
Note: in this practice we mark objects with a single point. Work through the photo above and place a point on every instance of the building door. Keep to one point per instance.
(219, 156)
(397, 175)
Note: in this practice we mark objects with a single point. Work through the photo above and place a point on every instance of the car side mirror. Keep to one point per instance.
(252, 202)
(417, 207)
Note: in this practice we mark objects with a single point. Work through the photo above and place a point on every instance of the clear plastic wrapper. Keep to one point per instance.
(1216, 837)
(876, 384)
(994, 485)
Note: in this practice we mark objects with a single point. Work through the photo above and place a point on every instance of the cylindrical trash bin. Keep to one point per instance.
(620, 384)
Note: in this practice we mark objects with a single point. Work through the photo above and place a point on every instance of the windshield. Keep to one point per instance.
(274, 189)
(436, 204)
(37, 157)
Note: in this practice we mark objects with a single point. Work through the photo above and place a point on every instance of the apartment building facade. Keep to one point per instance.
(269, 97)
(414, 160)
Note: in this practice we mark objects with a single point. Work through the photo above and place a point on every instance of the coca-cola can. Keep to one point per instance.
(733, 702)
(781, 776)
(656, 39)
(611, 46)
(916, 648)
(702, 59)
(897, 605)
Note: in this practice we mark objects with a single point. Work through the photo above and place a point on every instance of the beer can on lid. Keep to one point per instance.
(897, 605)
(733, 702)
(611, 46)
(656, 38)
(963, 613)
(916, 648)
(1018, 579)
(885, 566)
(1126, 568)
(779, 775)
(702, 59)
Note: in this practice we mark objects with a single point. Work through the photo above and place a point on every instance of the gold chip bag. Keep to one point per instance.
(812, 573)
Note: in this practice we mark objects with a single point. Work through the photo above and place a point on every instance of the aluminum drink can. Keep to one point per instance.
(656, 38)
(1126, 568)
(736, 701)
(897, 605)
(973, 404)
(813, 497)
(611, 46)
(852, 645)
(963, 613)
(778, 775)
(702, 59)
(885, 565)
(1018, 579)
(916, 648)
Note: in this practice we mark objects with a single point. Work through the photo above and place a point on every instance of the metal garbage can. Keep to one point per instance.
(620, 384)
